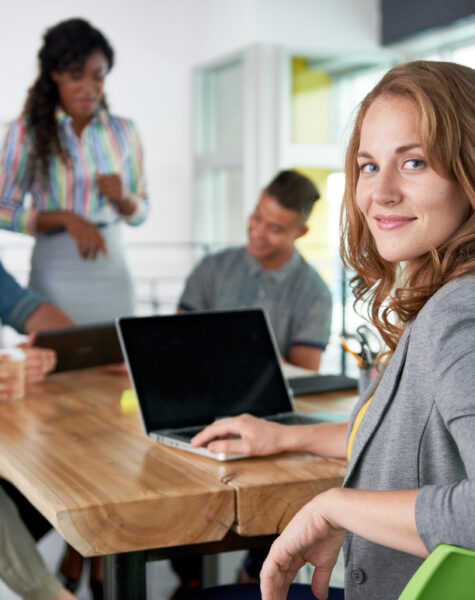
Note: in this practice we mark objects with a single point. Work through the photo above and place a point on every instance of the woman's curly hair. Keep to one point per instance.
(443, 94)
(66, 46)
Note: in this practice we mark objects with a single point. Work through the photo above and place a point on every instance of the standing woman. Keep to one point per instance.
(70, 173)
(83, 168)
(409, 237)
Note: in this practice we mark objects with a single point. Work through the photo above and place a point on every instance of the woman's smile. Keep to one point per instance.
(391, 222)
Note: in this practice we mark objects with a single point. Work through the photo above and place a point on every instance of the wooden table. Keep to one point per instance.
(84, 462)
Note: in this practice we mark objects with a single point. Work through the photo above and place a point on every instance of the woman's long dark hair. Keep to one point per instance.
(66, 45)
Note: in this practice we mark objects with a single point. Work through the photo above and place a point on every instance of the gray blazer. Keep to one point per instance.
(419, 432)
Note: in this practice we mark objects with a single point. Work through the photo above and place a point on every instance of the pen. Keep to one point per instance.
(359, 360)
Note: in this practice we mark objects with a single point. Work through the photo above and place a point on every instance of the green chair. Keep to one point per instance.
(447, 573)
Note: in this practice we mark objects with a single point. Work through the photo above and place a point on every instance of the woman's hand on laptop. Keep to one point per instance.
(244, 434)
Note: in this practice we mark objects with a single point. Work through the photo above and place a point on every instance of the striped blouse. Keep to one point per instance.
(108, 144)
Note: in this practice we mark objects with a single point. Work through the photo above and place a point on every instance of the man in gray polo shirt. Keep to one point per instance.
(270, 273)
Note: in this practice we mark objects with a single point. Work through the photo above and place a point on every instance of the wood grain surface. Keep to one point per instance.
(84, 462)
(103, 487)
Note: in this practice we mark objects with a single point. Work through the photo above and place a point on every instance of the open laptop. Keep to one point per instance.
(83, 346)
(189, 369)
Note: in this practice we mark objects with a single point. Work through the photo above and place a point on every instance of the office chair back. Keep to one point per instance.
(448, 572)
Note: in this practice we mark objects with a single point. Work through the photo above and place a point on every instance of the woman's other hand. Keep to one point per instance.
(309, 537)
(111, 186)
(244, 434)
(87, 235)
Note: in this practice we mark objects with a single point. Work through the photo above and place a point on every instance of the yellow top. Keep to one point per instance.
(356, 424)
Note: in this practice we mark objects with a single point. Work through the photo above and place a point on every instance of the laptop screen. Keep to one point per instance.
(192, 368)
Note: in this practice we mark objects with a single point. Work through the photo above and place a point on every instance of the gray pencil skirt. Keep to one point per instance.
(89, 291)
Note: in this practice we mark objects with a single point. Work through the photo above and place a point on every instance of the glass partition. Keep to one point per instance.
(324, 94)
(218, 153)
(218, 206)
(270, 109)
(220, 109)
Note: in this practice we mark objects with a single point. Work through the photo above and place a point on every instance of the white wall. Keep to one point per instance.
(150, 83)
(156, 43)
(336, 25)
(221, 27)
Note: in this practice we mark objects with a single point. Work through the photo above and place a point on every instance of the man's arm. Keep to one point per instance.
(47, 316)
(306, 357)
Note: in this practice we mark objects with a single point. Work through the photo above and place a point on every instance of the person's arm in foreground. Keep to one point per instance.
(316, 533)
(258, 437)
(47, 316)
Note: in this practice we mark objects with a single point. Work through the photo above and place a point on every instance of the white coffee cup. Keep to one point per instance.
(15, 366)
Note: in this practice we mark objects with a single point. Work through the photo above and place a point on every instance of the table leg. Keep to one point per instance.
(210, 570)
(124, 576)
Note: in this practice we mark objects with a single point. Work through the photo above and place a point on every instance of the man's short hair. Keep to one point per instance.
(293, 191)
